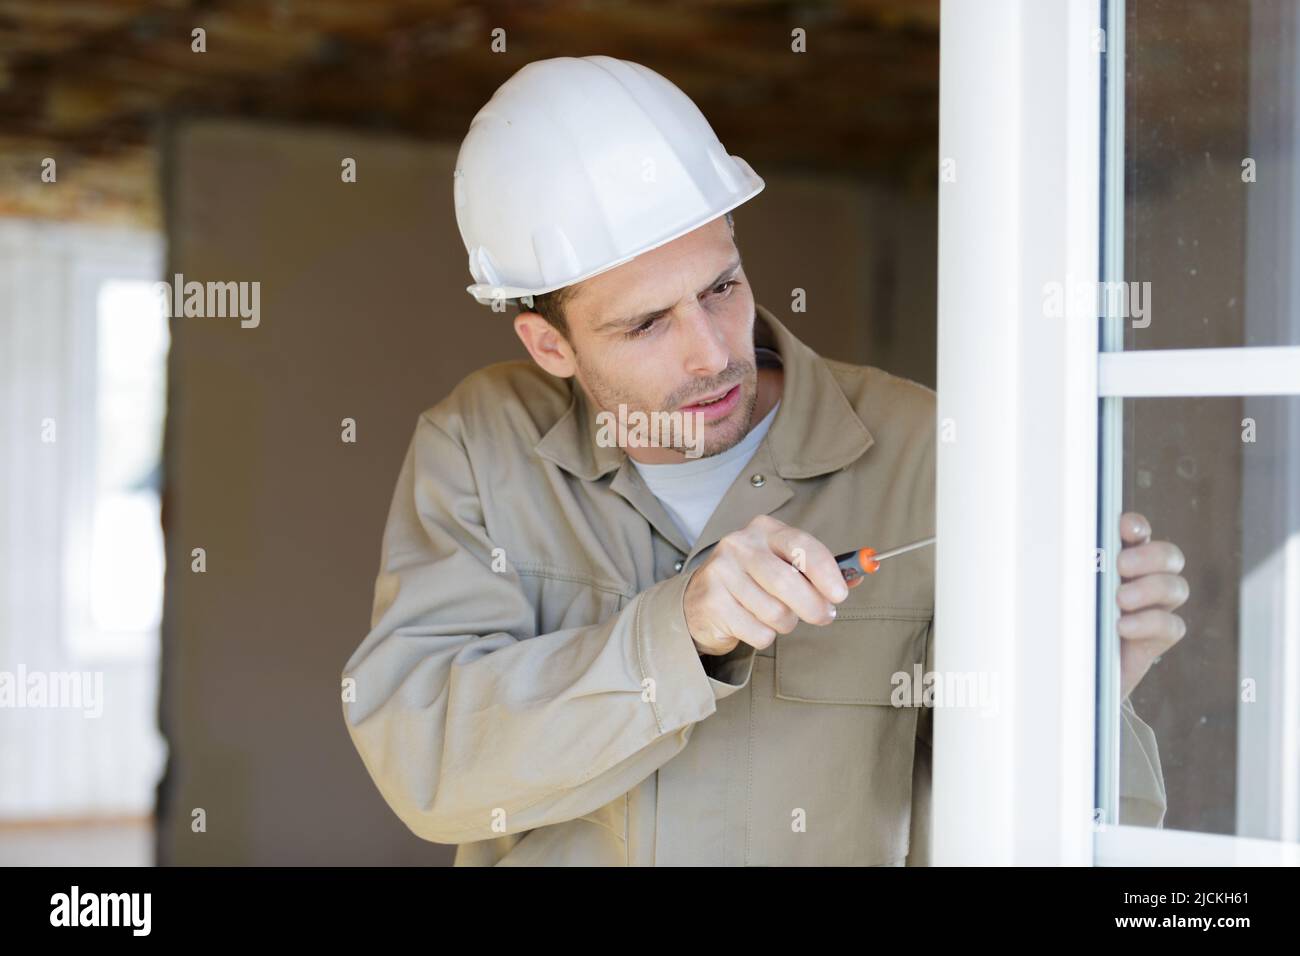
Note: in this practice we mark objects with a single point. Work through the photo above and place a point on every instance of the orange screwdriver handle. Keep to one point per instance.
(855, 564)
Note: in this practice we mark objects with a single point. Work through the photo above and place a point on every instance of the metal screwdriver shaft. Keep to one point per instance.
(895, 552)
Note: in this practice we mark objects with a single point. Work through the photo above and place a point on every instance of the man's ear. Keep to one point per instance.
(545, 344)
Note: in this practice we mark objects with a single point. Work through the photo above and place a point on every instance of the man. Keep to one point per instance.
(593, 651)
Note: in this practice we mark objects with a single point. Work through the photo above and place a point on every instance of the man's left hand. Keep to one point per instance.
(1153, 589)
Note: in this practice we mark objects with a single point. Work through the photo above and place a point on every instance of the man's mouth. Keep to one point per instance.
(716, 403)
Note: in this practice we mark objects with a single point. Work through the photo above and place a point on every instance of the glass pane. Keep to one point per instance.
(1220, 477)
(1211, 182)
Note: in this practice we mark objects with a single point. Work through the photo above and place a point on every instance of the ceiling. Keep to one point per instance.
(87, 82)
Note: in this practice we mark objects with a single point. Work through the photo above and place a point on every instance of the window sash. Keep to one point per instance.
(1019, 408)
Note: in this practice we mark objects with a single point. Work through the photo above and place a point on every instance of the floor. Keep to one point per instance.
(82, 843)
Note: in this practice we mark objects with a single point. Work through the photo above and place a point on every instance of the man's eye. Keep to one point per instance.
(725, 287)
(641, 329)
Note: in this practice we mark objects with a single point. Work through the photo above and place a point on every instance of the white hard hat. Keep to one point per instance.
(576, 165)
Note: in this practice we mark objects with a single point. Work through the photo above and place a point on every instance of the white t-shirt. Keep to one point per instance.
(691, 490)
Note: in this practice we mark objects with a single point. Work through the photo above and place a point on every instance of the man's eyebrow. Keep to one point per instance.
(635, 320)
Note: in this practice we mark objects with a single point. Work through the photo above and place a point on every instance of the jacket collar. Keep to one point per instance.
(816, 429)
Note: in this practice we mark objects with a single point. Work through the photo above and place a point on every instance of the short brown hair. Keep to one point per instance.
(550, 305)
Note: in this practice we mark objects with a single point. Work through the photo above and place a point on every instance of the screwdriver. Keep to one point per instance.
(854, 565)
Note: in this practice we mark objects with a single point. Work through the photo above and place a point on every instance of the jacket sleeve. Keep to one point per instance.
(1142, 799)
(470, 723)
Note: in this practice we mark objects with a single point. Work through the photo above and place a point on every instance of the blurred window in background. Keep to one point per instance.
(119, 610)
(83, 351)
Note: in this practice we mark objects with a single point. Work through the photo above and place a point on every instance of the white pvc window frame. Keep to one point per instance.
(1269, 370)
(1019, 118)
(1020, 144)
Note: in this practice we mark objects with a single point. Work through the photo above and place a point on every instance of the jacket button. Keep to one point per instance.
(758, 481)
(678, 566)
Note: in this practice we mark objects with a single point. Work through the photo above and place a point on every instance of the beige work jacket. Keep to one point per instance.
(529, 691)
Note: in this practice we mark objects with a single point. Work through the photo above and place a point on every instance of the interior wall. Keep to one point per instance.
(363, 316)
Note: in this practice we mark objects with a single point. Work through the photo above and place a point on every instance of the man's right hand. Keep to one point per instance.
(750, 589)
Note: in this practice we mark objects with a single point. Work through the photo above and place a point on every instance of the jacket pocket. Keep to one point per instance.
(830, 774)
(854, 659)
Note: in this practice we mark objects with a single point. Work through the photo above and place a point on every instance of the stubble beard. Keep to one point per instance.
(607, 396)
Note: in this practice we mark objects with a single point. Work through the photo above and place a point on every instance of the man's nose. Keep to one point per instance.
(707, 352)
